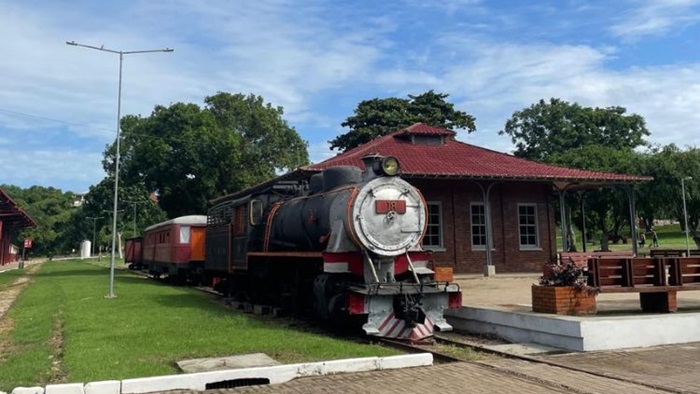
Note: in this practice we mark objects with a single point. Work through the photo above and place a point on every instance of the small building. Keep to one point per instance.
(487, 211)
(12, 219)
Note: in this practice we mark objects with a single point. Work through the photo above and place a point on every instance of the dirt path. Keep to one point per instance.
(9, 294)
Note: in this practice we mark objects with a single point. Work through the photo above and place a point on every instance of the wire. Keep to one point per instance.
(173, 139)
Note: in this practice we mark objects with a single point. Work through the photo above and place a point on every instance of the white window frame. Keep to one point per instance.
(441, 246)
(472, 225)
(184, 234)
(536, 246)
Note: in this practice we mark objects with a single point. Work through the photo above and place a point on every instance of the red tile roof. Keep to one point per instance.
(461, 160)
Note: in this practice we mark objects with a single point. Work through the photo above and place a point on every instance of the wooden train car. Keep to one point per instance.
(176, 247)
(134, 253)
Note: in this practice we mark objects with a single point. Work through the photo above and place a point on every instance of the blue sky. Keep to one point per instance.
(319, 59)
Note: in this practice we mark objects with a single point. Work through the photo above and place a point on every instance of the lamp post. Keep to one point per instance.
(116, 161)
(135, 203)
(685, 215)
(94, 227)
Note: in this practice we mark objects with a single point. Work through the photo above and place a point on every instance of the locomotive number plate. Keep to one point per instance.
(385, 206)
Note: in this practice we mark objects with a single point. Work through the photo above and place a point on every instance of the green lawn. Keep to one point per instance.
(670, 237)
(64, 329)
(7, 277)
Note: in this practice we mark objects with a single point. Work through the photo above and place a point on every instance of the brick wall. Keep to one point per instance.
(455, 197)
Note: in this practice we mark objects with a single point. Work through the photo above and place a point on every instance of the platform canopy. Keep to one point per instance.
(12, 215)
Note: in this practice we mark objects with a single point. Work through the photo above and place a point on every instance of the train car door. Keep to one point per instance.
(197, 236)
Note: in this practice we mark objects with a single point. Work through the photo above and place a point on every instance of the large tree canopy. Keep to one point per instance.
(190, 154)
(571, 135)
(548, 128)
(377, 117)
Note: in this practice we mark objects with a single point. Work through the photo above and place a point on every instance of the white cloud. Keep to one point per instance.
(317, 61)
(653, 17)
(492, 79)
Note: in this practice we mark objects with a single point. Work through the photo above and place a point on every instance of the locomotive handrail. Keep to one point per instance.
(371, 265)
(413, 269)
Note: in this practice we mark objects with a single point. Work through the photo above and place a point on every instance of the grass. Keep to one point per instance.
(66, 331)
(8, 277)
(670, 237)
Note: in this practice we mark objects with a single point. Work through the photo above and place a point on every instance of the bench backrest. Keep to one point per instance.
(683, 271)
(581, 258)
(626, 272)
(673, 252)
(644, 271)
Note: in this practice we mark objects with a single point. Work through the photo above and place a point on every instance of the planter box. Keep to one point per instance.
(562, 301)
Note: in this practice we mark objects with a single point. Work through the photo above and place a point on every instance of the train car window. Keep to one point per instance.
(184, 234)
(256, 212)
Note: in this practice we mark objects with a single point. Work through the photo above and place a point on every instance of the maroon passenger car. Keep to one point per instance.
(175, 247)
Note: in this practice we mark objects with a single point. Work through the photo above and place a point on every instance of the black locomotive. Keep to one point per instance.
(344, 244)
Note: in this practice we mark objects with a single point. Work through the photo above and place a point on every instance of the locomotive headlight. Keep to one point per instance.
(390, 166)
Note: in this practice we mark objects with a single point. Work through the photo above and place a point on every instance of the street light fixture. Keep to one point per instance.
(94, 227)
(685, 215)
(116, 161)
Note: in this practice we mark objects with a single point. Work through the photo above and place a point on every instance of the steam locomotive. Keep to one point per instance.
(345, 246)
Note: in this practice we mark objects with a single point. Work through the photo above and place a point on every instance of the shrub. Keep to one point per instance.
(567, 274)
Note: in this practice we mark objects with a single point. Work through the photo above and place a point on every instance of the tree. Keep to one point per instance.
(668, 165)
(190, 155)
(377, 117)
(548, 128)
(50, 208)
(603, 139)
(608, 209)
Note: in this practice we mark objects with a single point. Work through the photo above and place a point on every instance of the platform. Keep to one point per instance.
(501, 306)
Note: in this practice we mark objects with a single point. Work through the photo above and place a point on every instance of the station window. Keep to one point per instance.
(433, 236)
(478, 221)
(527, 226)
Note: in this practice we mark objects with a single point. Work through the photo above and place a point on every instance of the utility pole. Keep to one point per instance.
(135, 203)
(94, 227)
(116, 161)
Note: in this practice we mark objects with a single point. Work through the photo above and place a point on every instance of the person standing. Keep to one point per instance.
(654, 239)
(642, 239)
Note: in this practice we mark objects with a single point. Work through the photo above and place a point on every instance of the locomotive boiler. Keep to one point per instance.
(345, 245)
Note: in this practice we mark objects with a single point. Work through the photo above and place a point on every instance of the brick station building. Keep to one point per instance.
(12, 219)
(457, 179)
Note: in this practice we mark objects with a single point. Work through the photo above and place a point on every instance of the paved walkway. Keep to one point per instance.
(663, 369)
(499, 376)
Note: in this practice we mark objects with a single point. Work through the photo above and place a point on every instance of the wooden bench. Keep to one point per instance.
(657, 280)
(581, 258)
(673, 252)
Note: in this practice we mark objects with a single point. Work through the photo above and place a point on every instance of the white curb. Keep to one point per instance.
(275, 374)
(198, 381)
(28, 390)
(105, 387)
(70, 388)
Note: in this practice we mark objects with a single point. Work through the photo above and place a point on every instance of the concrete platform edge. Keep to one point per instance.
(574, 333)
(198, 381)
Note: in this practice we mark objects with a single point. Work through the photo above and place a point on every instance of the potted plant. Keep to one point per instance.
(563, 290)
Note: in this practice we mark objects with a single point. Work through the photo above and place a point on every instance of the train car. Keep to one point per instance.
(133, 248)
(344, 245)
(176, 247)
